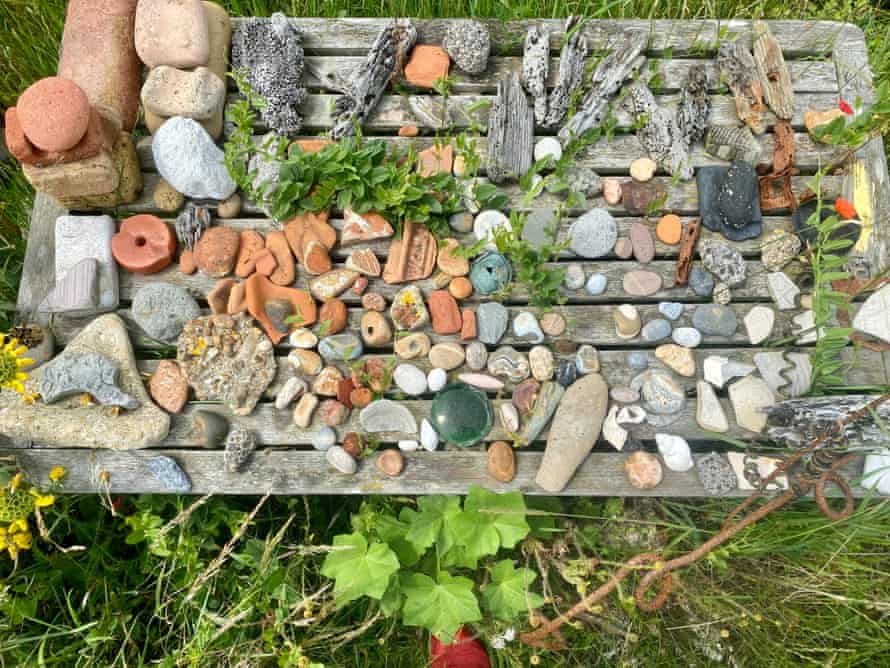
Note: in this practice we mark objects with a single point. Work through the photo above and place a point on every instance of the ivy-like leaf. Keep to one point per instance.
(505, 512)
(507, 595)
(424, 526)
(359, 569)
(440, 606)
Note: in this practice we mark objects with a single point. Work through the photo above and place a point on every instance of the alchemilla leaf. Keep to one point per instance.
(508, 595)
(440, 606)
(359, 569)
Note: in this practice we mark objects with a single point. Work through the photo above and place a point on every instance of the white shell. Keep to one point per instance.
(614, 434)
(548, 146)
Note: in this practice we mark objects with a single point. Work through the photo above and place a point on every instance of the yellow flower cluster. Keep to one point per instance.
(12, 360)
(17, 504)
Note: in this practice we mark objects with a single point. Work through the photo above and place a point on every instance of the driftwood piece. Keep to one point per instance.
(571, 73)
(659, 133)
(366, 86)
(536, 68)
(511, 132)
(774, 75)
(624, 60)
(797, 421)
(775, 186)
(688, 242)
(739, 70)
(694, 109)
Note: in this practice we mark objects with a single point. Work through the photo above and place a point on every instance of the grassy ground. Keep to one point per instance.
(794, 590)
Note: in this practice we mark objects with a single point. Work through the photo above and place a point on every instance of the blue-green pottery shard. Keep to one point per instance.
(490, 273)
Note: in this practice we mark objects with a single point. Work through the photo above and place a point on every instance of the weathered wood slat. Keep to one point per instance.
(755, 286)
(586, 324)
(290, 471)
(354, 36)
(38, 274)
(471, 111)
(807, 76)
(682, 198)
(749, 247)
(612, 156)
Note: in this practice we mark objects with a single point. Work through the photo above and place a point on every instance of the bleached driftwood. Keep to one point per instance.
(695, 106)
(797, 421)
(624, 60)
(739, 70)
(536, 67)
(364, 87)
(659, 133)
(774, 75)
(571, 72)
(511, 132)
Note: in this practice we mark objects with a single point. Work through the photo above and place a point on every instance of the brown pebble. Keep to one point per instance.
(565, 346)
(409, 131)
(168, 386)
(553, 324)
(344, 389)
(501, 461)
(643, 470)
(624, 248)
(360, 285)
(390, 462)
(643, 243)
(187, 262)
(375, 329)
(332, 317)
(460, 287)
(360, 397)
(352, 443)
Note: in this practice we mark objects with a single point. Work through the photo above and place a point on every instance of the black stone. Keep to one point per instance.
(729, 200)
(808, 233)
(566, 372)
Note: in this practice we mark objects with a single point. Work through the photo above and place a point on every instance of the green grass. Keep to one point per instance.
(794, 590)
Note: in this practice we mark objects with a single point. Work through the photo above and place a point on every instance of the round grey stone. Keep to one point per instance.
(670, 310)
(596, 284)
(656, 330)
(187, 157)
(715, 320)
(583, 180)
(701, 282)
(594, 234)
(162, 310)
(324, 438)
(341, 460)
(688, 337)
(574, 278)
(661, 393)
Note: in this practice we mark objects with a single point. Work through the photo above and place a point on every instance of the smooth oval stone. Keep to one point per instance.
(566, 372)
(656, 330)
(409, 379)
(553, 324)
(436, 379)
(477, 355)
(701, 282)
(486, 221)
(624, 395)
(507, 362)
(596, 284)
(643, 470)
(670, 310)
(594, 234)
(546, 400)
(341, 460)
(491, 322)
(541, 362)
(539, 227)
(461, 222)
(390, 462)
(688, 337)
(462, 415)
(501, 461)
(637, 360)
(715, 320)
(661, 393)
(641, 283)
(490, 273)
(643, 243)
(341, 347)
(624, 248)
(384, 415)
(448, 355)
(482, 380)
(675, 452)
(587, 360)
(509, 417)
(526, 327)
(574, 277)
(324, 438)
(412, 346)
(302, 338)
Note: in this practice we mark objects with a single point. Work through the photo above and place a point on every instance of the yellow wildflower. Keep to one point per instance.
(21, 524)
(57, 473)
(42, 500)
(22, 540)
(12, 361)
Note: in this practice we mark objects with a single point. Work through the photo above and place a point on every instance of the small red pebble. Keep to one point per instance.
(845, 208)
(464, 652)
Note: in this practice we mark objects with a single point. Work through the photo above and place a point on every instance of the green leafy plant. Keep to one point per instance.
(529, 263)
(855, 131)
(419, 565)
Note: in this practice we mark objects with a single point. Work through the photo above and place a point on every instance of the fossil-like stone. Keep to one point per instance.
(170, 474)
(239, 446)
(715, 474)
(507, 362)
(71, 374)
(731, 143)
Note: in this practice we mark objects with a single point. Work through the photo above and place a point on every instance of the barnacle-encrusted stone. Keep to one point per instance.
(468, 43)
(240, 444)
(170, 474)
(271, 50)
(715, 474)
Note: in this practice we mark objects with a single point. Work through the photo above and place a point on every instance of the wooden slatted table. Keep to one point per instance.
(827, 61)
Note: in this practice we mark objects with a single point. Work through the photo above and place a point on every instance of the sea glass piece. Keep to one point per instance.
(462, 415)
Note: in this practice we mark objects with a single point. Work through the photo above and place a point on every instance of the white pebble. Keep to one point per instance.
(429, 439)
(675, 452)
(408, 446)
(485, 222)
(409, 379)
(436, 379)
(292, 389)
(548, 146)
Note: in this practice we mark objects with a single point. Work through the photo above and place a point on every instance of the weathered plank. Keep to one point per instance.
(681, 199)
(460, 112)
(697, 38)
(586, 324)
(609, 156)
(38, 274)
(754, 287)
(290, 471)
(807, 76)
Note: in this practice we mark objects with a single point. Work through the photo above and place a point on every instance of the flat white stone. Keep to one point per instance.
(615, 434)
(783, 290)
(719, 370)
(436, 379)
(759, 323)
(804, 328)
(876, 472)
(409, 379)
(709, 411)
(429, 439)
(384, 415)
(631, 415)
(765, 467)
(408, 446)
(485, 222)
(548, 146)
(675, 452)
(750, 398)
(873, 317)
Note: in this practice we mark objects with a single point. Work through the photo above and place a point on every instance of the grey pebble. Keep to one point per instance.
(701, 282)
(656, 330)
(686, 336)
(715, 320)
(670, 310)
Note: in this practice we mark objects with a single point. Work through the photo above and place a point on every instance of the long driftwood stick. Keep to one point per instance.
(659, 133)
(623, 61)
(695, 106)
(536, 67)
(367, 84)
(739, 69)
(571, 72)
(511, 132)
(774, 75)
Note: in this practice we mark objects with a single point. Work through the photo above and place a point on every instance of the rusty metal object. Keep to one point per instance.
(547, 635)
(775, 186)
(688, 241)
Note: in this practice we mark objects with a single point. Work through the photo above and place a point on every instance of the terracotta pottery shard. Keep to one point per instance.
(252, 242)
(774, 75)
(413, 257)
(435, 160)
(688, 241)
(361, 227)
(261, 293)
(311, 238)
(739, 70)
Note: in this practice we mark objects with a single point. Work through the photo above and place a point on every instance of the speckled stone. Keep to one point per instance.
(715, 320)
(723, 260)
(656, 330)
(701, 282)
(716, 474)
(661, 393)
(162, 309)
(643, 470)
(566, 372)
(574, 278)
(641, 283)
(594, 234)
(541, 362)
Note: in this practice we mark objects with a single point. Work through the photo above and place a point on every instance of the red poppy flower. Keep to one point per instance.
(845, 208)
(464, 652)
(845, 107)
